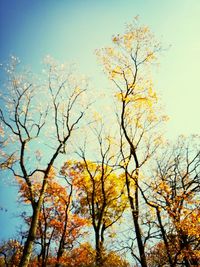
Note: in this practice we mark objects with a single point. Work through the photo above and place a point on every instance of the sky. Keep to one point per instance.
(71, 30)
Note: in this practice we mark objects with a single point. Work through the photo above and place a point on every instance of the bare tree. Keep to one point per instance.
(174, 194)
(100, 188)
(127, 64)
(41, 115)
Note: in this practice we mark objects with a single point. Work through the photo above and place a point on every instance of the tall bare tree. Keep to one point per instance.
(127, 64)
(39, 115)
(99, 187)
(175, 195)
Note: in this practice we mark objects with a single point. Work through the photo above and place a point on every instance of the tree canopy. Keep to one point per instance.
(98, 190)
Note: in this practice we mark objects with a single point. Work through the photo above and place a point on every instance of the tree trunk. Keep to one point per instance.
(134, 203)
(184, 245)
(28, 247)
(31, 237)
(62, 240)
(98, 249)
(139, 237)
(44, 259)
(164, 238)
(135, 214)
(60, 252)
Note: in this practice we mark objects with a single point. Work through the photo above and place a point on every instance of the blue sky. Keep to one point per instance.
(70, 30)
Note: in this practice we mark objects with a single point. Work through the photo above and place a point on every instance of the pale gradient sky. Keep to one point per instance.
(70, 30)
